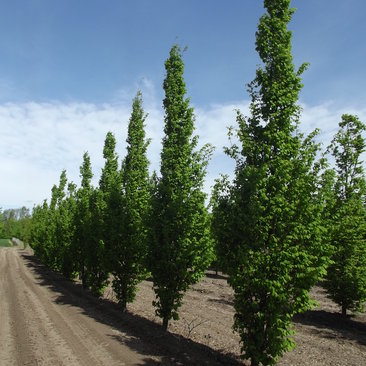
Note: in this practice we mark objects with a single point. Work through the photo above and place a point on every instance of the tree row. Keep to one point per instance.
(286, 221)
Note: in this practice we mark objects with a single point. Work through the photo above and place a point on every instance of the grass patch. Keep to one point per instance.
(5, 243)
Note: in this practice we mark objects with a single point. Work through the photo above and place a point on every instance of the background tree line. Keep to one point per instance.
(15, 223)
(287, 220)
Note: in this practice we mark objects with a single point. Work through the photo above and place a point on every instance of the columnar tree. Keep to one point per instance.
(88, 240)
(346, 277)
(128, 266)
(63, 222)
(180, 247)
(272, 232)
(111, 189)
(67, 225)
(39, 233)
(58, 221)
(221, 218)
(97, 276)
(82, 220)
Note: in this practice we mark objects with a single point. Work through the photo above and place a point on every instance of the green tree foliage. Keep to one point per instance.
(88, 245)
(62, 216)
(180, 246)
(129, 254)
(222, 207)
(52, 228)
(270, 218)
(66, 232)
(82, 219)
(98, 274)
(16, 223)
(52, 250)
(88, 238)
(40, 237)
(110, 186)
(346, 277)
(2, 227)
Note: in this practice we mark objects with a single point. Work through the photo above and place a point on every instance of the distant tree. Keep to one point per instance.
(62, 217)
(66, 214)
(110, 186)
(346, 277)
(15, 223)
(47, 228)
(82, 219)
(97, 275)
(10, 223)
(55, 230)
(2, 227)
(270, 217)
(90, 228)
(180, 246)
(129, 253)
(39, 231)
(222, 205)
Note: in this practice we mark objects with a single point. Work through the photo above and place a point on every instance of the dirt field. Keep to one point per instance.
(47, 320)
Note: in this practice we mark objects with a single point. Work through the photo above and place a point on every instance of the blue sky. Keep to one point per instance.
(69, 70)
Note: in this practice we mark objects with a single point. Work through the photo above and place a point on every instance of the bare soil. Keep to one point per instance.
(48, 320)
(322, 336)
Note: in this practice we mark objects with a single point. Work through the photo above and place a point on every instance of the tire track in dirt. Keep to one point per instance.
(37, 330)
(7, 347)
(38, 341)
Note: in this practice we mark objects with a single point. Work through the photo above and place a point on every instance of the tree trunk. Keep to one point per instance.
(165, 323)
(344, 311)
(83, 277)
(123, 299)
(123, 305)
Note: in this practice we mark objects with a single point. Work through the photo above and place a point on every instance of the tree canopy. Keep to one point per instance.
(179, 239)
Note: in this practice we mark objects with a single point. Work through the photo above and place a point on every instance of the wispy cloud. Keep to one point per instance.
(326, 117)
(38, 140)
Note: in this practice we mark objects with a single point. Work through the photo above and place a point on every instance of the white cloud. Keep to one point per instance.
(38, 140)
(326, 118)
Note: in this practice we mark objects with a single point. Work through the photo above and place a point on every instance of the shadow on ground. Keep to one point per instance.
(138, 333)
(325, 322)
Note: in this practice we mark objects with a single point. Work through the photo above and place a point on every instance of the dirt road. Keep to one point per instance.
(38, 328)
(48, 320)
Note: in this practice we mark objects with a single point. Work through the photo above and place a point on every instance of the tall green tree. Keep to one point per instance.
(272, 231)
(110, 186)
(98, 274)
(39, 231)
(90, 230)
(129, 254)
(56, 231)
(63, 220)
(180, 246)
(83, 220)
(66, 215)
(222, 205)
(346, 277)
